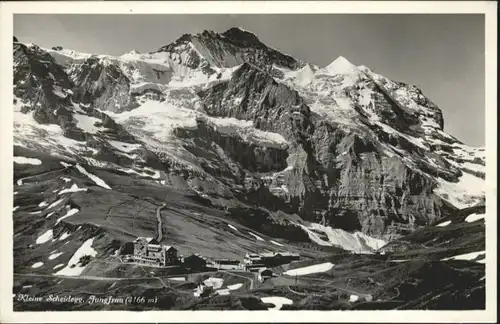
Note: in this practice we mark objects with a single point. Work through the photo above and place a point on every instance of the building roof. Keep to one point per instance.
(195, 256)
(145, 239)
(168, 247)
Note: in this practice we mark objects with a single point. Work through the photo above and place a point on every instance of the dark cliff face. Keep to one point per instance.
(101, 84)
(43, 87)
(272, 106)
(340, 177)
(251, 157)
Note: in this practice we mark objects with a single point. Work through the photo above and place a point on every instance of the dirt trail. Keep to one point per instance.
(158, 217)
(41, 174)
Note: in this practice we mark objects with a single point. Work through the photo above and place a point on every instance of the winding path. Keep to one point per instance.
(42, 173)
(158, 217)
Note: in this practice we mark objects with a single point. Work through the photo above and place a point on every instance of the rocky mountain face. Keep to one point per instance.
(329, 154)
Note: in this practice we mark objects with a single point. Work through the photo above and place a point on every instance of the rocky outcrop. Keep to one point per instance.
(43, 89)
(272, 106)
(229, 149)
(101, 84)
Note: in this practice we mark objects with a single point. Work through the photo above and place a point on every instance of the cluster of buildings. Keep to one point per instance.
(149, 251)
(253, 262)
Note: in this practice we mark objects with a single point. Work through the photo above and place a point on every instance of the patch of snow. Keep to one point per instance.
(301, 77)
(64, 164)
(27, 286)
(467, 192)
(216, 283)
(473, 166)
(98, 181)
(474, 217)
(124, 147)
(45, 237)
(256, 236)
(54, 204)
(58, 266)
(15, 208)
(87, 123)
(466, 256)
(85, 249)
(25, 160)
(235, 286)
(49, 214)
(232, 227)
(64, 236)
(443, 224)
(156, 174)
(245, 130)
(177, 279)
(356, 242)
(55, 255)
(30, 134)
(276, 243)
(73, 188)
(222, 292)
(43, 204)
(37, 265)
(322, 267)
(277, 301)
(353, 298)
(58, 91)
(69, 213)
(96, 163)
(20, 182)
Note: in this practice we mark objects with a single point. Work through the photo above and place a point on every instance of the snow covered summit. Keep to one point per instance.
(341, 66)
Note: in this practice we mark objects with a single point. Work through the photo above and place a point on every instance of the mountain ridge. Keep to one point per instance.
(294, 114)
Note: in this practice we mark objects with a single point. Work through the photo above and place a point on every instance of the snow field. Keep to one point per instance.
(322, 267)
(84, 249)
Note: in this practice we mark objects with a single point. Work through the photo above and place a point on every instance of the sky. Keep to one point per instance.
(442, 54)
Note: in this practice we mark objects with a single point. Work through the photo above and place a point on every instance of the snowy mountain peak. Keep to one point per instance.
(239, 34)
(210, 50)
(133, 52)
(341, 66)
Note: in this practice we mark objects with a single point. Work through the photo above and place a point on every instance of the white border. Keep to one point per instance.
(6, 187)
